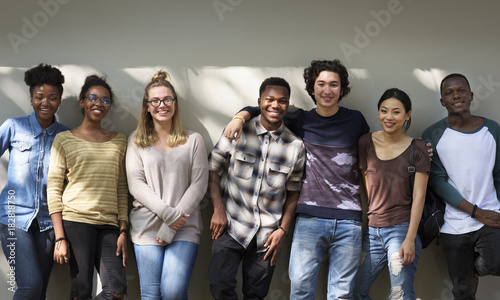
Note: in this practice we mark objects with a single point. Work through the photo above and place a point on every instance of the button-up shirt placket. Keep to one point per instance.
(265, 141)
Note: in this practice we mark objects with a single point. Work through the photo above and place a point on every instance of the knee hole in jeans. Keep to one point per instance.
(395, 264)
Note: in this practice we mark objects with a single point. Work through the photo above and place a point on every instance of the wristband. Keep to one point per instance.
(473, 214)
(60, 239)
(239, 117)
(286, 232)
(124, 230)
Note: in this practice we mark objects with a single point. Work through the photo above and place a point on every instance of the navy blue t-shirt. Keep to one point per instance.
(331, 187)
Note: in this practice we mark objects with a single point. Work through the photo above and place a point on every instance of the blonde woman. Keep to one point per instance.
(167, 172)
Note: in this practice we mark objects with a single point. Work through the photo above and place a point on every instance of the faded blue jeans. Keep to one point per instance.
(312, 239)
(31, 255)
(164, 271)
(381, 248)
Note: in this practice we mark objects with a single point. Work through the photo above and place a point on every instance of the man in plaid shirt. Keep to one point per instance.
(252, 217)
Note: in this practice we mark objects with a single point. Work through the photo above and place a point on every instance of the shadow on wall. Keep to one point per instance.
(208, 98)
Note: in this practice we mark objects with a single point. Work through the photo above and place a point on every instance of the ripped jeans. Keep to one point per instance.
(380, 248)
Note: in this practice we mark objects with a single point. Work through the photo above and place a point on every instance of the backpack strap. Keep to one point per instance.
(411, 168)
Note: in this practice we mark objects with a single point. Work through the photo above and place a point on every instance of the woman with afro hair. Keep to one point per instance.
(26, 230)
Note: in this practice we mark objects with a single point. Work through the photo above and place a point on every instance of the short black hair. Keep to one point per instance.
(274, 81)
(452, 75)
(318, 66)
(44, 74)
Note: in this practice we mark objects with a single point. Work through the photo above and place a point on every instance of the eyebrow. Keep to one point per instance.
(388, 108)
(41, 93)
(323, 81)
(156, 98)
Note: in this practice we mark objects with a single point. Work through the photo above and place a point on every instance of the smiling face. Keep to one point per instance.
(327, 91)
(45, 101)
(456, 96)
(164, 112)
(392, 115)
(95, 111)
(273, 104)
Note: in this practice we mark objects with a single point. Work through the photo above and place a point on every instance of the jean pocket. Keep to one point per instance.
(20, 152)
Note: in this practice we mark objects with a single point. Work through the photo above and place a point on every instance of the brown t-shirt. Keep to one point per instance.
(390, 198)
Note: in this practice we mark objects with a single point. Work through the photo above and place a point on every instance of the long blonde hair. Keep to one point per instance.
(146, 134)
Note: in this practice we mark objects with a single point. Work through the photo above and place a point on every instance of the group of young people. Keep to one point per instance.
(276, 167)
(71, 192)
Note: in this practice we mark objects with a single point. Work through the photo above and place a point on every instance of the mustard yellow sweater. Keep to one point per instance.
(87, 182)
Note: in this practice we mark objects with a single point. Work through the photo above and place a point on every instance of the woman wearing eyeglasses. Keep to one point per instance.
(167, 173)
(87, 198)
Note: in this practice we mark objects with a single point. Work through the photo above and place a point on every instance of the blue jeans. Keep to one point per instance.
(380, 248)
(164, 271)
(30, 253)
(312, 239)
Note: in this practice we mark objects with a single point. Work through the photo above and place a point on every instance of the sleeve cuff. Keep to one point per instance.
(166, 233)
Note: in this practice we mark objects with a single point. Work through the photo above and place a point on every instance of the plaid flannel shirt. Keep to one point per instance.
(262, 166)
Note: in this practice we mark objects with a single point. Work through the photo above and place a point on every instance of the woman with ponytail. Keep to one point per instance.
(394, 206)
(167, 173)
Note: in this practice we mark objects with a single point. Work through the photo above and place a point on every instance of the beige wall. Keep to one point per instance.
(219, 51)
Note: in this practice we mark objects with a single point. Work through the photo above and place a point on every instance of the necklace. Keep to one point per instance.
(473, 122)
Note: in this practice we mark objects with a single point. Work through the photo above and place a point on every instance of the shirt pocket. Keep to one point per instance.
(243, 165)
(277, 174)
(21, 152)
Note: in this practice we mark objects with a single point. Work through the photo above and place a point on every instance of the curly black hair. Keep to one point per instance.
(318, 66)
(95, 80)
(44, 74)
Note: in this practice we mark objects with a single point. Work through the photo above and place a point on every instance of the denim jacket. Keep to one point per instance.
(24, 196)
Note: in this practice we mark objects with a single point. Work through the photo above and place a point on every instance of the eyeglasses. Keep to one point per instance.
(157, 102)
(106, 101)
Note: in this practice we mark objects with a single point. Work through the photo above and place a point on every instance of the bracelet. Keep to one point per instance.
(286, 232)
(60, 239)
(473, 214)
(239, 117)
(124, 230)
